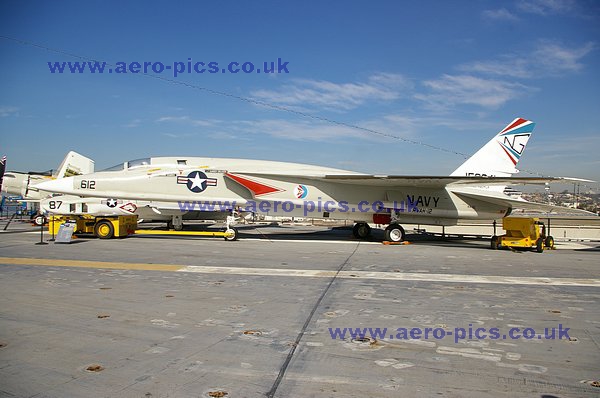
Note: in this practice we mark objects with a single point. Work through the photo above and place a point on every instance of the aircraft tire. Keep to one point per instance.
(232, 234)
(539, 245)
(39, 220)
(549, 242)
(394, 233)
(361, 230)
(104, 230)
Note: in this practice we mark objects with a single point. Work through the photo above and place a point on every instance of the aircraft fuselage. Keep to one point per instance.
(207, 189)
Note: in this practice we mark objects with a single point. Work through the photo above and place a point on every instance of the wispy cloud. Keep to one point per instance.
(341, 96)
(134, 123)
(393, 126)
(414, 125)
(556, 59)
(546, 7)
(482, 85)
(501, 14)
(512, 66)
(172, 118)
(178, 135)
(299, 130)
(186, 120)
(548, 58)
(567, 146)
(452, 90)
(565, 156)
(6, 111)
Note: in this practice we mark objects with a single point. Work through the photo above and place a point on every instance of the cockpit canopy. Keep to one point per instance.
(132, 164)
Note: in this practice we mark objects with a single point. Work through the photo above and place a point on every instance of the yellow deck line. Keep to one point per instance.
(90, 264)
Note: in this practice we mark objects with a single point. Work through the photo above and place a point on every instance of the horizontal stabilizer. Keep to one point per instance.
(500, 199)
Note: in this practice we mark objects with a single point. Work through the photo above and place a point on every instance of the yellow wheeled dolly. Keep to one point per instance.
(104, 227)
(523, 233)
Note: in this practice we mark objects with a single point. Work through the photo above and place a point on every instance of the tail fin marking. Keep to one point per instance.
(493, 161)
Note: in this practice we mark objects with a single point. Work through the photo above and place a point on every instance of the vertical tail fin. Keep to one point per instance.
(499, 157)
(2, 170)
(74, 164)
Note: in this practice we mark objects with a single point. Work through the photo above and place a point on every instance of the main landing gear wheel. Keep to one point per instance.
(394, 233)
(361, 230)
(39, 220)
(104, 230)
(175, 227)
(176, 223)
(231, 234)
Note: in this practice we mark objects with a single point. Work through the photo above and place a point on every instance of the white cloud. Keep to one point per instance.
(567, 146)
(546, 7)
(501, 14)
(566, 156)
(299, 130)
(389, 127)
(172, 118)
(474, 86)
(134, 123)
(548, 58)
(6, 111)
(512, 66)
(178, 136)
(452, 90)
(343, 96)
(186, 120)
(415, 125)
(553, 58)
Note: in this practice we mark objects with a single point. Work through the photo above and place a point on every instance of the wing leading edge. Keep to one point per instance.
(417, 181)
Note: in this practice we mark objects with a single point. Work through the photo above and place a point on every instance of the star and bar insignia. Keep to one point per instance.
(197, 181)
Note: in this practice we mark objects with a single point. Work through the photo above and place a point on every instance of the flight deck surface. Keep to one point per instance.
(198, 317)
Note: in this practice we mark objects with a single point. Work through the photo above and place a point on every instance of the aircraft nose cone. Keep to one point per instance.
(60, 185)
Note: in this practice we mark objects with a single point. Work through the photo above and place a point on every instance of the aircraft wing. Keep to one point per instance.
(499, 198)
(417, 181)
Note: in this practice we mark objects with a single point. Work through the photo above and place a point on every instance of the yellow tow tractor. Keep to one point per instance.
(103, 227)
(523, 233)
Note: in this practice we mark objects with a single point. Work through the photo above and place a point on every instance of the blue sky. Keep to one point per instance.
(449, 74)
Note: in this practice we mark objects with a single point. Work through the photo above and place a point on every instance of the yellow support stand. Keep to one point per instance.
(524, 233)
